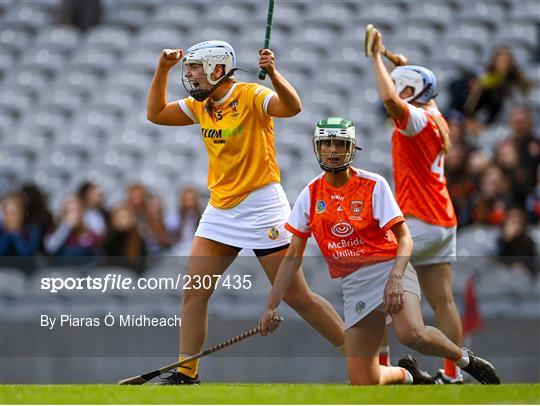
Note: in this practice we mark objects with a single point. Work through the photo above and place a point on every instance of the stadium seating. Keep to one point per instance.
(73, 102)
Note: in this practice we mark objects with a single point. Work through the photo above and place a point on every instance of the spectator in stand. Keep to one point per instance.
(532, 204)
(477, 163)
(183, 222)
(37, 213)
(83, 14)
(485, 94)
(456, 125)
(515, 246)
(507, 159)
(16, 238)
(459, 183)
(95, 217)
(492, 198)
(71, 238)
(123, 245)
(150, 222)
(527, 142)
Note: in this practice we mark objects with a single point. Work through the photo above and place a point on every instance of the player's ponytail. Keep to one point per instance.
(444, 130)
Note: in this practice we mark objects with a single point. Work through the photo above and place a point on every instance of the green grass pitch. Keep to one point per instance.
(269, 394)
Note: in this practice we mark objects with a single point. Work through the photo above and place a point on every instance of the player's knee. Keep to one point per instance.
(410, 337)
(441, 302)
(196, 297)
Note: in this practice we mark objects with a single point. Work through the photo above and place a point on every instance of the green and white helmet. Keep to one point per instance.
(329, 131)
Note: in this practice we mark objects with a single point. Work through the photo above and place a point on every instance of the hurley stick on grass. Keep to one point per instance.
(141, 379)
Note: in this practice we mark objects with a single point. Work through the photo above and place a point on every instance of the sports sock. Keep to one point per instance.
(384, 356)
(191, 368)
(463, 360)
(407, 377)
(451, 370)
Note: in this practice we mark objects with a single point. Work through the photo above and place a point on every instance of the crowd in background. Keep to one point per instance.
(491, 183)
(85, 231)
(495, 183)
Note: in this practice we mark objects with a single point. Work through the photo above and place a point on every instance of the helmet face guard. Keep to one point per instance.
(334, 144)
(209, 54)
(421, 80)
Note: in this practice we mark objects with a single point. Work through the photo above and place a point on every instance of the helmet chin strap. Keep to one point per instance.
(203, 94)
(334, 170)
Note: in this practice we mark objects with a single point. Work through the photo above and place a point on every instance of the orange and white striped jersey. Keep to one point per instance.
(418, 159)
(239, 137)
(351, 224)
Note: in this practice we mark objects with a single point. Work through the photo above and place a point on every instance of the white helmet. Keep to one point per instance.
(335, 129)
(420, 79)
(209, 54)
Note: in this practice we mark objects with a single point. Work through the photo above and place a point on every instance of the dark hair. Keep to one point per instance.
(84, 188)
(515, 76)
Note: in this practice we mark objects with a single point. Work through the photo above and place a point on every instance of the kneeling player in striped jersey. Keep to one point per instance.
(365, 240)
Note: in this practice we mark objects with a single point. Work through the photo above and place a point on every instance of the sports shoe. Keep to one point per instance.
(442, 379)
(481, 370)
(419, 377)
(178, 378)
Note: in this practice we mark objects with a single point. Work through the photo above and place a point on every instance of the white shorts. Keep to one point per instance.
(257, 222)
(363, 290)
(432, 244)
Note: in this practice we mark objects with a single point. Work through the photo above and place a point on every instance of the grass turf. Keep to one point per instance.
(269, 394)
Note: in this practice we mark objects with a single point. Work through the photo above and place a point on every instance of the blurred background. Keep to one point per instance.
(90, 187)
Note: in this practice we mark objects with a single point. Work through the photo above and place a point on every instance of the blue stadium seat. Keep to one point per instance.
(128, 18)
(477, 241)
(14, 37)
(27, 16)
(107, 36)
(519, 32)
(156, 38)
(438, 12)
(492, 13)
(527, 10)
(471, 31)
(62, 37)
(100, 59)
(178, 14)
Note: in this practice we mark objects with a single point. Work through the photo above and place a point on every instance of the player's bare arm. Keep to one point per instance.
(393, 291)
(158, 109)
(392, 102)
(287, 269)
(287, 101)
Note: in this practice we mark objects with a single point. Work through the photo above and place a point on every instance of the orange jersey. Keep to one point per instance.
(351, 224)
(418, 158)
(239, 137)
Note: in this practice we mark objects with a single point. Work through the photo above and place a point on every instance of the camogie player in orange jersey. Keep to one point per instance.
(420, 142)
(248, 207)
(365, 240)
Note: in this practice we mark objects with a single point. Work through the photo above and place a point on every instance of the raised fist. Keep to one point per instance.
(170, 57)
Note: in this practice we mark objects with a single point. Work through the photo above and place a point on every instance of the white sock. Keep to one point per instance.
(408, 378)
(463, 361)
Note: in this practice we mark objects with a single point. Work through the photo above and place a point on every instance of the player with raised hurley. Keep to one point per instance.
(365, 240)
(248, 206)
(420, 142)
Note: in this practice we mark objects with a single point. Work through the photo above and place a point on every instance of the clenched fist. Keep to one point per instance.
(170, 57)
(267, 61)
